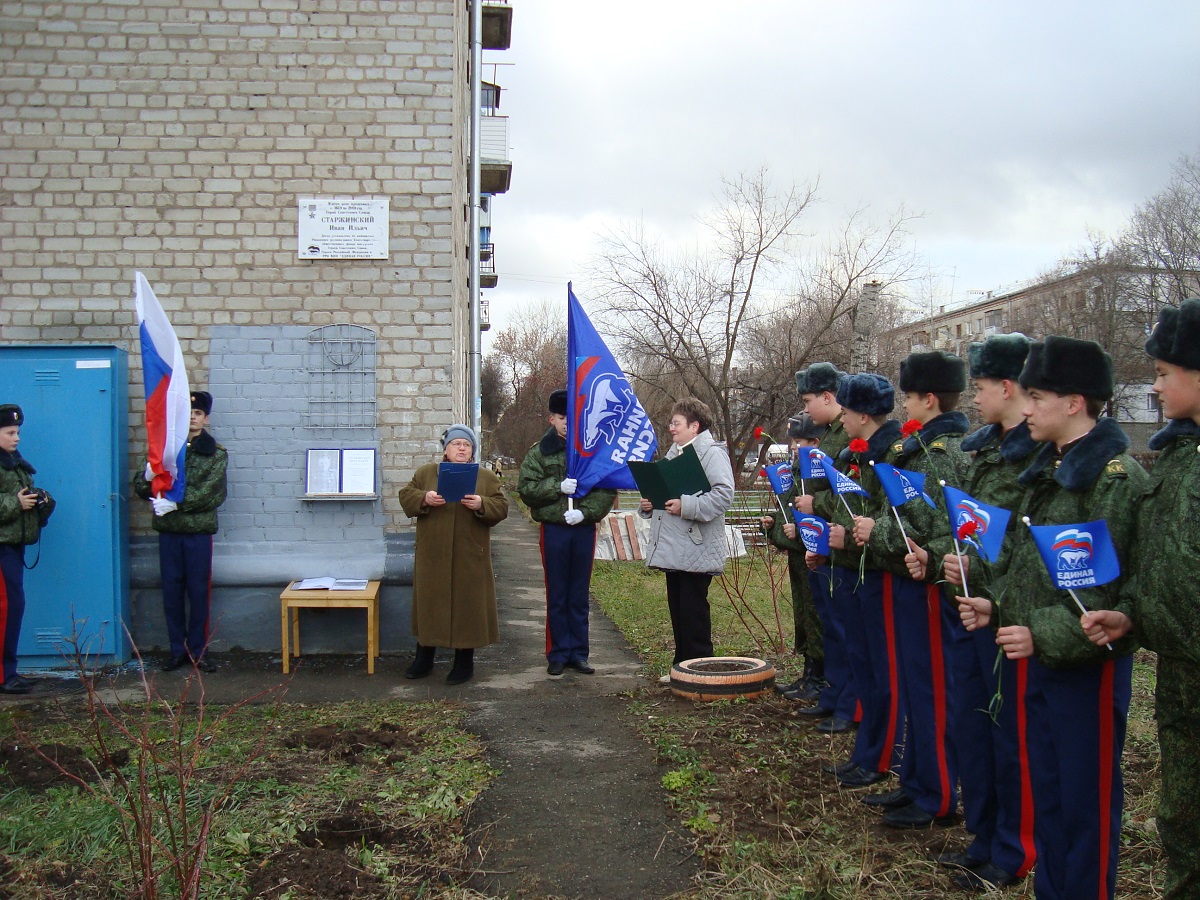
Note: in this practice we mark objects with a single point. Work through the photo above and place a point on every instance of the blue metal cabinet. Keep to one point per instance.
(76, 434)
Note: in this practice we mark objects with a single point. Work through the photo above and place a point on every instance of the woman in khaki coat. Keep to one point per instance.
(454, 591)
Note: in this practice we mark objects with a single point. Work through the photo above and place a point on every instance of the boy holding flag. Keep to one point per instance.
(1078, 693)
(925, 623)
(568, 540)
(1160, 595)
(993, 767)
(780, 530)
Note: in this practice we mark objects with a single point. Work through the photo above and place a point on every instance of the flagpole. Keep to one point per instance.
(961, 568)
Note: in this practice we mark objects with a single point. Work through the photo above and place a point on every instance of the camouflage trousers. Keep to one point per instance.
(809, 639)
(1179, 804)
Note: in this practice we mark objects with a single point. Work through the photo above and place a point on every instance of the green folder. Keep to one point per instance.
(670, 479)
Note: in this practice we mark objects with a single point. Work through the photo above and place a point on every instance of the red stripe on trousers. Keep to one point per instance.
(1026, 826)
(1106, 767)
(889, 630)
(3, 621)
(545, 582)
(937, 667)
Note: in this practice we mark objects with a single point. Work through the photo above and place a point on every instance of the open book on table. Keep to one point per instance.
(329, 583)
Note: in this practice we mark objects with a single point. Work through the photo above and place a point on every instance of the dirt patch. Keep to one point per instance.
(37, 767)
(349, 743)
(313, 872)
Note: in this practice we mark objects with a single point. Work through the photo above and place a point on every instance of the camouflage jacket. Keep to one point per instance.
(833, 442)
(1000, 458)
(935, 452)
(830, 507)
(203, 490)
(1161, 595)
(1094, 479)
(18, 526)
(539, 484)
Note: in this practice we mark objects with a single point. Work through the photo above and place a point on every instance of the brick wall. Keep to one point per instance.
(177, 138)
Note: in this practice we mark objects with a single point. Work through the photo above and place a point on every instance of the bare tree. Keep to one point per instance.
(529, 360)
(1164, 235)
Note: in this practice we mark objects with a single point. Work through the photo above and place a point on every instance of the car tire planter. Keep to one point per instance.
(722, 677)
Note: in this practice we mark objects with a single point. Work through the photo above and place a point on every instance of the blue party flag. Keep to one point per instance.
(810, 462)
(813, 532)
(901, 485)
(976, 523)
(841, 483)
(606, 425)
(1077, 556)
(780, 476)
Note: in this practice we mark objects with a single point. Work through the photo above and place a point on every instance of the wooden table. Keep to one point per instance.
(291, 601)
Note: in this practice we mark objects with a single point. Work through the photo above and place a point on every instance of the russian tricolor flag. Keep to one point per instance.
(168, 397)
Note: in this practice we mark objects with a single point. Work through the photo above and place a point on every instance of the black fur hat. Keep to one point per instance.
(10, 414)
(803, 428)
(1001, 356)
(867, 393)
(935, 372)
(557, 403)
(1176, 337)
(202, 400)
(818, 378)
(1068, 366)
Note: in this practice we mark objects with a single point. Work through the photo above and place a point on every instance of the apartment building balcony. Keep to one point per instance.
(495, 168)
(497, 25)
(487, 266)
(485, 315)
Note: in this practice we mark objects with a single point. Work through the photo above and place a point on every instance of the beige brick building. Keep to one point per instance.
(180, 139)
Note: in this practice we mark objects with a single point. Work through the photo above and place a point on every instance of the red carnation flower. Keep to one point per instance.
(911, 427)
(762, 473)
(967, 528)
(858, 445)
(758, 433)
(854, 470)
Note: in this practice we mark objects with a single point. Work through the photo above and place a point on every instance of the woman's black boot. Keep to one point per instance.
(422, 665)
(464, 667)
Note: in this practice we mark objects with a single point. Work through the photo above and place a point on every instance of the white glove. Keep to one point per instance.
(573, 517)
(149, 473)
(568, 486)
(163, 506)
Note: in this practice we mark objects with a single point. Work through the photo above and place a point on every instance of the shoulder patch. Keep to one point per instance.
(939, 444)
(898, 446)
(1115, 467)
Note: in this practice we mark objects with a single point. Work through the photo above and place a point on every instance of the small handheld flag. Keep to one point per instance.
(168, 397)
(901, 485)
(840, 482)
(607, 428)
(810, 462)
(780, 476)
(1077, 556)
(976, 523)
(813, 532)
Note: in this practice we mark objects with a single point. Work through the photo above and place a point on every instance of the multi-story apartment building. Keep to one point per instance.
(213, 145)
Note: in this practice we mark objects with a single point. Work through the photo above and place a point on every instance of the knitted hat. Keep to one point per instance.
(803, 428)
(1000, 357)
(202, 400)
(1176, 337)
(10, 414)
(818, 378)
(867, 393)
(935, 372)
(454, 432)
(558, 402)
(1068, 366)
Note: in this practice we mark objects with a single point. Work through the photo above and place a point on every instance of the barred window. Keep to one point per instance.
(341, 368)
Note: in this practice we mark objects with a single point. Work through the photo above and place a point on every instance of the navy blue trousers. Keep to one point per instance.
(1077, 721)
(567, 554)
(924, 623)
(185, 561)
(871, 644)
(993, 758)
(840, 695)
(12, 604)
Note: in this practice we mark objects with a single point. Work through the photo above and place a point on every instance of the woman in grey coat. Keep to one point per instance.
(687, 539)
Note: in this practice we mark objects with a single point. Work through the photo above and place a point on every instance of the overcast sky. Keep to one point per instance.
(1012, 128)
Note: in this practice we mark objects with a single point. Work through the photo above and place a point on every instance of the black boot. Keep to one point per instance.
(422, 664)
(814, 683)
(788, 689)
(464, 667)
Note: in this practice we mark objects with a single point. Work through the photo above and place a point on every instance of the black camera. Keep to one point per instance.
(43, 499)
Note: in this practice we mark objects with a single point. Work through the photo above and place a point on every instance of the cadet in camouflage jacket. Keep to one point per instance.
(204, 489)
